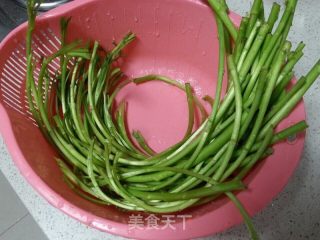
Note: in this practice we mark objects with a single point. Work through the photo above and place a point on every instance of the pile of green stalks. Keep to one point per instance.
(99, 160)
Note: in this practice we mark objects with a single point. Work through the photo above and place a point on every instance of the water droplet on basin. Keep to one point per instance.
(292, 139)
(113, 18)
(60, 205)
(157, 34)
(90, 223)
(27, 174)
(136, 19)
(204, 53)
(89, 220)
(109, 227)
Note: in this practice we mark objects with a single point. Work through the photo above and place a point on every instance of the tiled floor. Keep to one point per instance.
(15, 221)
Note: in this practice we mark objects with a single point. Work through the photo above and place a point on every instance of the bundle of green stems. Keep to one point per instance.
(99, 160)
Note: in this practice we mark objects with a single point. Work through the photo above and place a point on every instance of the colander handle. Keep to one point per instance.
(45, 6)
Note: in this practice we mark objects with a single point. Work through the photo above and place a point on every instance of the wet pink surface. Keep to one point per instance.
(176, 38)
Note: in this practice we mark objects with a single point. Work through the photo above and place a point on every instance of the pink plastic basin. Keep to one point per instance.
(176, 38)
